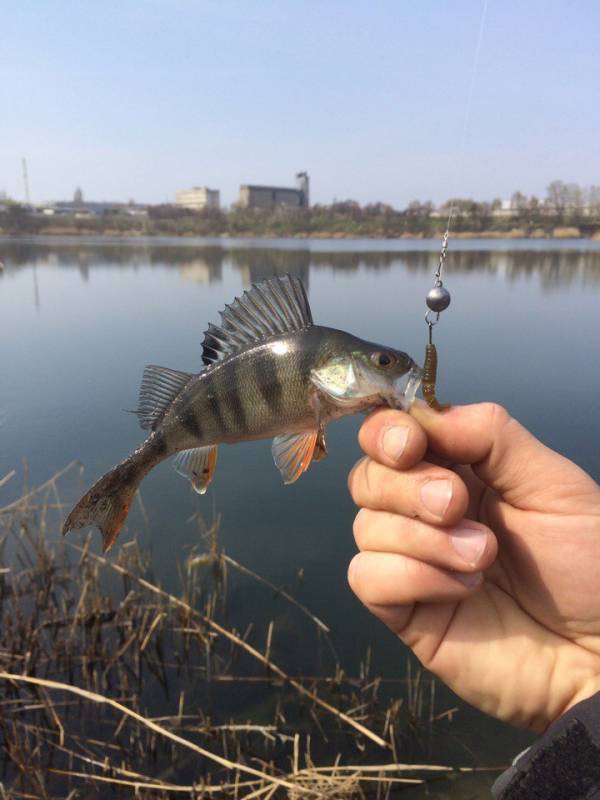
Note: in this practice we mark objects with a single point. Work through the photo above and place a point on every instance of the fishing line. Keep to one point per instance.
(438, 298)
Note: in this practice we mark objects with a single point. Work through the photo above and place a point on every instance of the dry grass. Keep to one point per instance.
(110, 684)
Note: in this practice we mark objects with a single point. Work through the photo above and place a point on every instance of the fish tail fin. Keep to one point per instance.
(107, 503)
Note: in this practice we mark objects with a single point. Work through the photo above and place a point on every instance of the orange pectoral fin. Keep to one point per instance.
(293, 453)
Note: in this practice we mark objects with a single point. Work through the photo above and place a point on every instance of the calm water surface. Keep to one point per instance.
(79, 319)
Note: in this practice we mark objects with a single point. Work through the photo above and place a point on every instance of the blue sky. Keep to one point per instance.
(136, 99)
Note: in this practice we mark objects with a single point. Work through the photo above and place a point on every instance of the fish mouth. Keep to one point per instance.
(405, 388)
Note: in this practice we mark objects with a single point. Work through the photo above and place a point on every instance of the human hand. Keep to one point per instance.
(489, 572)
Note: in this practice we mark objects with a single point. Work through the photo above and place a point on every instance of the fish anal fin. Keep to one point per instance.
(197, 465)
(293, 452)
(271, 308)
(160, 386)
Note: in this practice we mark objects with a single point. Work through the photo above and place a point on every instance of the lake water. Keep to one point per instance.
(79, 319)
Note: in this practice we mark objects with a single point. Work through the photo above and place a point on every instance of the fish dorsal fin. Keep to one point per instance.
(276, 306)
(198, 465)
(293, 452)
(160, 386)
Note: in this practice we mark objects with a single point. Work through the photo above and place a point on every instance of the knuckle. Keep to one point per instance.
(371, 484)
(376, 484)
(497, 414)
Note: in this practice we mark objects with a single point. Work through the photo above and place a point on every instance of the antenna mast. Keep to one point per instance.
(26, 180)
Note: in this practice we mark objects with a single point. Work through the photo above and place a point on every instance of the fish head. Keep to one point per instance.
(365, 374)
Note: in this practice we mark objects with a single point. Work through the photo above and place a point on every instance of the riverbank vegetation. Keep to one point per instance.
(109, 683)
(568, 210)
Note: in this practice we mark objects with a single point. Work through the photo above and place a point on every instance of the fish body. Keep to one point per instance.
(269, 372)
(264, 391)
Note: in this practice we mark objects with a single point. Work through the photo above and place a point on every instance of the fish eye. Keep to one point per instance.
(382, 359)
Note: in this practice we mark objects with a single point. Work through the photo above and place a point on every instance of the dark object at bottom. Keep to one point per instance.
(564, 764)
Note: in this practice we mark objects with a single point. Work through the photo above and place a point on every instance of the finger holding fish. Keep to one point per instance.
(416, 546)
(393, 438)
(425, 491)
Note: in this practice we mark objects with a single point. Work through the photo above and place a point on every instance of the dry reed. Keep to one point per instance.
(109, 683)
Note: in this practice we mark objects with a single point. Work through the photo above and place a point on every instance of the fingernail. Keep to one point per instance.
(469, 579)
(469, 542)
(394, 441)
(436, 496)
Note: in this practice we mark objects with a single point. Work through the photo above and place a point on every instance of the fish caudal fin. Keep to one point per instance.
(107, 503)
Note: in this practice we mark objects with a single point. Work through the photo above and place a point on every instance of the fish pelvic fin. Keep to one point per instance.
(198, 465)
(320, 450)
(293, 453)
(107, 503)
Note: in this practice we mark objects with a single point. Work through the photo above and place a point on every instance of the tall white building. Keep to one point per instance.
(197, 198)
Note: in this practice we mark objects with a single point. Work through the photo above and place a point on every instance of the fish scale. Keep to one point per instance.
(270, 372)
(271, 389)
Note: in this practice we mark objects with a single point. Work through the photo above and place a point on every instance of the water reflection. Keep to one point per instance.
(74, 363)
(556, 267)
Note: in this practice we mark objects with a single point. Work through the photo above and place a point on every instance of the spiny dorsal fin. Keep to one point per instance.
(160, 386)
(275, 306)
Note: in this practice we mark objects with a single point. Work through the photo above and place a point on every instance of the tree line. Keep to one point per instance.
(567, 206)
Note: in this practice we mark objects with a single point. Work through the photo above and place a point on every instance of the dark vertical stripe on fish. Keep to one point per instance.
(191, 423)
(235, 382)
(269, 384)
(214, 408)
(158, 446)
(305, 363)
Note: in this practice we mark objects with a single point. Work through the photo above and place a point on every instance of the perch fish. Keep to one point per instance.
(268, 372)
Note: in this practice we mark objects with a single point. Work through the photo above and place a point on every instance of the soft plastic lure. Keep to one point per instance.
(430, 377)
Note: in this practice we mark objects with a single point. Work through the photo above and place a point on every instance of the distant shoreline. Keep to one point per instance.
(556, 235)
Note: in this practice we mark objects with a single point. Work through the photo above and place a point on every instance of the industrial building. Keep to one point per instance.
(80, 208)
(197, 198)
(271, 196)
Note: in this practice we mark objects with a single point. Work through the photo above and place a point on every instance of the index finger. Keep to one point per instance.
(393, 438)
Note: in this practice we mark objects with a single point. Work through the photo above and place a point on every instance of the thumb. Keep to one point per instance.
(504, 455)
